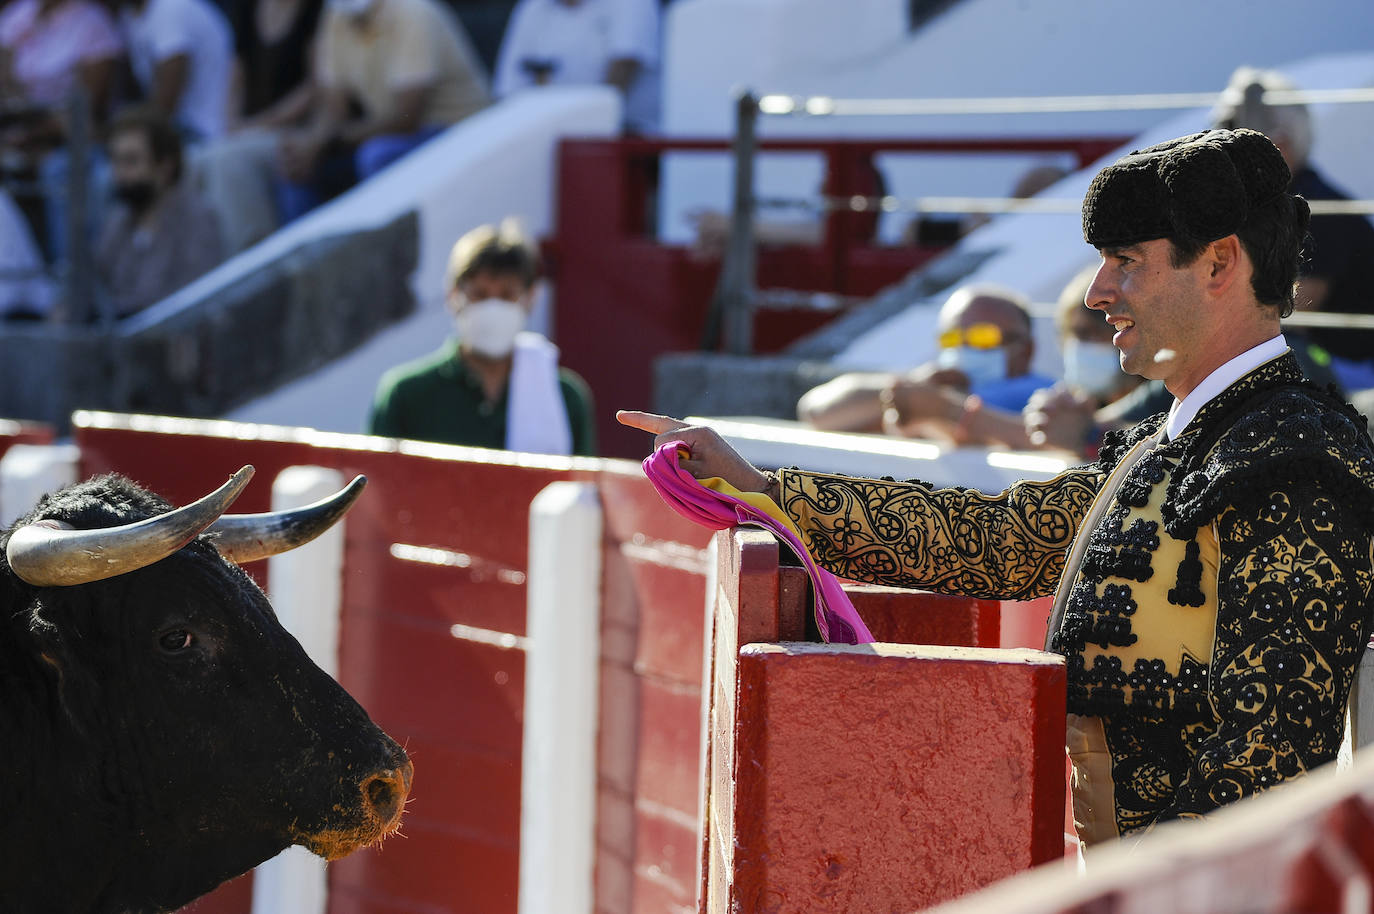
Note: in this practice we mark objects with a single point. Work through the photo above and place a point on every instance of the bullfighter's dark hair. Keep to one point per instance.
(163, 139)
(1197, 189)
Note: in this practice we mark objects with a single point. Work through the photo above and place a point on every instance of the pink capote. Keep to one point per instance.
(716, 504)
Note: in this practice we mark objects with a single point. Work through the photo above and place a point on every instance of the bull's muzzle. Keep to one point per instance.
(384, 796)
(381, 801)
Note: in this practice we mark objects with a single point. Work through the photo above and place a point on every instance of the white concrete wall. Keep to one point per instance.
(860, 48)
(30, 471)
(498, 163)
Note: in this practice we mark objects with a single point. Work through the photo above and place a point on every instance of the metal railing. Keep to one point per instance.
(736, 296)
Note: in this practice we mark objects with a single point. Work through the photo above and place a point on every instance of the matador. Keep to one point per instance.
(1213, 569)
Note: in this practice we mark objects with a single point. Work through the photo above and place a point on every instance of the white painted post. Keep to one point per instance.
(562, 660)
(30, 471)
(708, 656)
(305, 584)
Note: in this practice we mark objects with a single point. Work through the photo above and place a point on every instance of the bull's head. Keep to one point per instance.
(162, 732)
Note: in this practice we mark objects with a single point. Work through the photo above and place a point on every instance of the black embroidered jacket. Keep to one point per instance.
(1223, 601)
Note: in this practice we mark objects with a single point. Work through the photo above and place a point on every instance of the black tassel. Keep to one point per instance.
(1187, 590)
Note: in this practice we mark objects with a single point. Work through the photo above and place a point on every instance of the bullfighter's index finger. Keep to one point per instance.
(648, 422)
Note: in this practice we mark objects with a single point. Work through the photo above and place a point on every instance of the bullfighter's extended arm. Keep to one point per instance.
(1010, 546)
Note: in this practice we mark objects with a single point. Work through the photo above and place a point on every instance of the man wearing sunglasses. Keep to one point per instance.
(1213, 571)
(984, 335)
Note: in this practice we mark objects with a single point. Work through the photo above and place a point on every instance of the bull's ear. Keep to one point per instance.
(248, 537)
(50, 553)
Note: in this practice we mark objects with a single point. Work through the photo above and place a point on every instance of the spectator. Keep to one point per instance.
(1338, 264)
(407, 66)
(163, 235)
(26, 291)
(1062, 417)
(584, 43)
(493, 386)
(985, 355)
(181, 52)
(272, 61)
(48, 48)
(271, 91)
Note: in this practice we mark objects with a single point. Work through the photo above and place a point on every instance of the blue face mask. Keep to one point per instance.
(983, 366)
(1094, 368)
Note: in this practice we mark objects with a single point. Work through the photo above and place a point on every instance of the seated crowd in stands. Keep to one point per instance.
(944, 400)
(980, 389)
(278, 106)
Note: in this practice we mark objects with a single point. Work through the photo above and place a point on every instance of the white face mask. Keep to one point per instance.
(983, 366)
(489, 326)
(1094, 368)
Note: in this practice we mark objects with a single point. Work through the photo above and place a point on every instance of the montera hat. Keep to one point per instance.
(1193, 189)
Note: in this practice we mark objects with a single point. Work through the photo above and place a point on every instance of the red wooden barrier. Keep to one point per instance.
(13, 432)
(871, 778)
(652, 623)
(435, 564)
(1306, 847)
(435, 561)
(437, 542)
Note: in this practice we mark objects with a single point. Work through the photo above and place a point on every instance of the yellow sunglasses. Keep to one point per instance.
(975, 336)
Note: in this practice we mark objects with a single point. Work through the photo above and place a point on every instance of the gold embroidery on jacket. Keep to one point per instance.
(953, 540)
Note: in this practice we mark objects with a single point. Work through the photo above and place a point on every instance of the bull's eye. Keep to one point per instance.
(176, 640)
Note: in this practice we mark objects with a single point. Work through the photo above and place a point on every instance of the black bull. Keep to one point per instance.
(161, 731)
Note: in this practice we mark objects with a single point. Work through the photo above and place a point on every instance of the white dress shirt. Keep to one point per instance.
(1183, 411)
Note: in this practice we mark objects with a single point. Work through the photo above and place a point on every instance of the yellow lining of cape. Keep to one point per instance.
(756, 500)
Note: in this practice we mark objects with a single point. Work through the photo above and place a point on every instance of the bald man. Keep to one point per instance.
(984, 334)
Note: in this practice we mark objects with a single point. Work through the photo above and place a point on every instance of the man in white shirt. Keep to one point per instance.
(585, 42)
(1212, 571)
(181, 52)
(391, 74)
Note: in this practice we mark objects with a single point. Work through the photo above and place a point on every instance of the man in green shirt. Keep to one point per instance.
(495, 384)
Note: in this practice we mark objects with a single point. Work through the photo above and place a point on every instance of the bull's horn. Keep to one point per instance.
(49, 553)
(248, 537)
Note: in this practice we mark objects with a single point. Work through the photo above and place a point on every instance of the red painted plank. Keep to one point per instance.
(920, 617)
(669, 746)
(429, 870)
(444, 688)
(667, 846)
(234, 897)
(652, 893)
(672, 613)
(466, 789)
(827, 822)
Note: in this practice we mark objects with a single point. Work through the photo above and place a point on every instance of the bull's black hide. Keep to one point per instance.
(162, 733)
